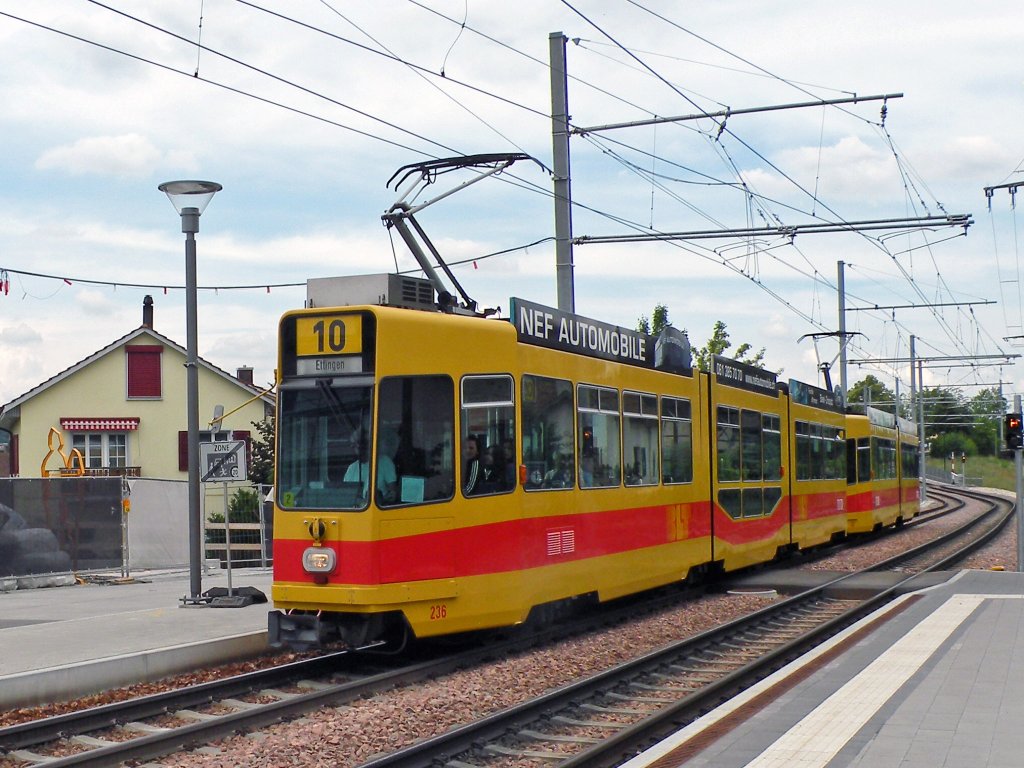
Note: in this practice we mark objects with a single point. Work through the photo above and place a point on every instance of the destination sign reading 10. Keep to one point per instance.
(328, 344)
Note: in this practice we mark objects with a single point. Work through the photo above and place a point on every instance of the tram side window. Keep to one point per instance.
(598, 413)
(640, 437)
(863, 460)
(728, 443)
(884, 457)
(910, 460)
(415, 432)
(803, 450)
(488, 435)
(772, 438)
(676, 441)
(822, 453)
(836, 453)
(547, 409)
(750, 441)
(818, 452)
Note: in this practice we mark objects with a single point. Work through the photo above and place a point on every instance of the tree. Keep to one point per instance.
(659, 320)
(873, 391)
(716, 345)
(944, 410)
(261, 468)
(719, 343)
(987, 407)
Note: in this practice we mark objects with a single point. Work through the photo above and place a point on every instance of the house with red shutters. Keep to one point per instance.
(123, 409)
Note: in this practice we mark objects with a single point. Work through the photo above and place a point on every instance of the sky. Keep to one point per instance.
(303, 111)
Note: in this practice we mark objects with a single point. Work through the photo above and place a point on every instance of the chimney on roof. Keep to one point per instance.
(147, 312)
(244, 375)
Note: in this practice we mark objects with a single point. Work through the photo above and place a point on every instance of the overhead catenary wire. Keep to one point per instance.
(750, 195)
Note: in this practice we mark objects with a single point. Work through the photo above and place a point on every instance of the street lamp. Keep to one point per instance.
(190, 199)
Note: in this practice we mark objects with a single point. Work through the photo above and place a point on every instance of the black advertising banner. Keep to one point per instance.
(555, 329)
(808, 394)
(733, 373)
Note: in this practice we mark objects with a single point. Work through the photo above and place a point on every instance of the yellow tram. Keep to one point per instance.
(882, 470)
(439, 473)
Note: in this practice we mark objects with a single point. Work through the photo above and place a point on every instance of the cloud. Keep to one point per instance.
(973, 157)
(844, 169)
(20, 335)
(127, 156)
(97, 303)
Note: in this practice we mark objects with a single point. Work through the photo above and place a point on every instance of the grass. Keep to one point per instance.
(988, 471)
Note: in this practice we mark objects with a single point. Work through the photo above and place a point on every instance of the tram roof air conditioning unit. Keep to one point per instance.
(386, 290)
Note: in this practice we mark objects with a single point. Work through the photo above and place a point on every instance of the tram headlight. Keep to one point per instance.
(319, 561)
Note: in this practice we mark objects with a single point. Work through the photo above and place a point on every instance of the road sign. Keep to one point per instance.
(223, 461)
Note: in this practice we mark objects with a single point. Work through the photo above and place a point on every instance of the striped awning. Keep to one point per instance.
(85, 424)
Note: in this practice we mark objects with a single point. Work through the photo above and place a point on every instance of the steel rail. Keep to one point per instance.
(610, 751)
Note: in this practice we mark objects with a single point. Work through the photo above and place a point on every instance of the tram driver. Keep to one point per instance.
(387, 477)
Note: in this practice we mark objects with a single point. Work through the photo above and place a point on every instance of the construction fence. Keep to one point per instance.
(72, 524)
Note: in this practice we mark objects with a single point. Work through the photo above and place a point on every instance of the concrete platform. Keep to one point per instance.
(936, 678)
(858, 587)
(60, 642)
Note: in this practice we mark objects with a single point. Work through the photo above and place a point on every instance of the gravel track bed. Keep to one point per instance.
(892, 543)
(352, 734)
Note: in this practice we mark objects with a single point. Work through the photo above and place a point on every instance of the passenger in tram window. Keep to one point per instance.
(471, 475)
(492, 473)
(560, 475)
(438, 484)
(587, 466)
(387, 477)
(508, 452)
(634, 476)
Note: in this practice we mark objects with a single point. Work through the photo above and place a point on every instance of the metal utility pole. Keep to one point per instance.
(1020, 496)
(841, 287)
(560, 167)
(922, 456)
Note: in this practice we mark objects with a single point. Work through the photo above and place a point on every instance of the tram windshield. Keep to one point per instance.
(324, 445)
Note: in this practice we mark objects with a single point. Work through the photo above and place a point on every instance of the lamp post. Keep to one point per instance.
(190, 199)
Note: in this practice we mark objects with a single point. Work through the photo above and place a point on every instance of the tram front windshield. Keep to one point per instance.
(323, 446)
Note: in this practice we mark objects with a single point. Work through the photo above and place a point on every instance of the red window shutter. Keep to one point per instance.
(144, 370)
(15, 470)
(183, 451)
(244, 434)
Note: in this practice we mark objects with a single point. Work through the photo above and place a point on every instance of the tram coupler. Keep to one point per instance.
(298, 631)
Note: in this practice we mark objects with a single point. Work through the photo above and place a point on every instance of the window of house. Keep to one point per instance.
(102, 449)
(143, 364)
(206, 436)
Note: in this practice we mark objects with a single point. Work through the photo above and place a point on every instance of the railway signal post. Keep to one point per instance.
(1015, 441)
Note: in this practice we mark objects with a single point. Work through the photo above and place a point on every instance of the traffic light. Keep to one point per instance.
(1014, 431)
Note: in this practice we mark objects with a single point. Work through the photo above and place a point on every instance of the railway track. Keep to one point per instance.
(119, 732)
(607, 718)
